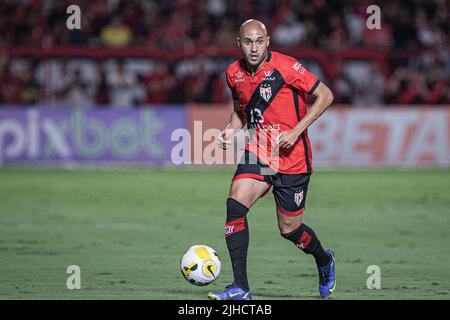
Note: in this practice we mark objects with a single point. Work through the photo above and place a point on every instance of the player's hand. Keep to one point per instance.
(287, 139)
(224, 139)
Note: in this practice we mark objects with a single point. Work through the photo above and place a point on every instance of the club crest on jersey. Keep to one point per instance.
(265, 91)
(298, 197)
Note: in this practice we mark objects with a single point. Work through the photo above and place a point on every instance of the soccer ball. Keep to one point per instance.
(200, 265)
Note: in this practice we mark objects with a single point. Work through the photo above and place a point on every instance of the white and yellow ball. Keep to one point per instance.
(200, 265)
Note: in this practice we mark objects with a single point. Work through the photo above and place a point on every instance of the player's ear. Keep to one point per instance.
(238, 39)
(268, 41)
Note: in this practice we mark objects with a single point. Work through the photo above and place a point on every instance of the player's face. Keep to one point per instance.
(254, 43)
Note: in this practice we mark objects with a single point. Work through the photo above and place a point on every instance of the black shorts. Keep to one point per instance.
(289, 190)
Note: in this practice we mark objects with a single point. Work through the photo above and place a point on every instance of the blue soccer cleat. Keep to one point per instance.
(231, 292)
(327, 279)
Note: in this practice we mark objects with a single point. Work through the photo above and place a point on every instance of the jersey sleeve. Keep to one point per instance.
(231, 87)
(300, 78)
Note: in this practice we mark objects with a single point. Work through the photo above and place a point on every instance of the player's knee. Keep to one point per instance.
(244, 198)
(235, 209)
(236, 195)
(247, 191)
(287, 226)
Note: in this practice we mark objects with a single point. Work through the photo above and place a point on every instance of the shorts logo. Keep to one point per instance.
(304, 241)
(298, 197)
(265, 91)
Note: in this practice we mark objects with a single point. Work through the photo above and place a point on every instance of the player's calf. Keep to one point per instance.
(307, 241)
(237, 238)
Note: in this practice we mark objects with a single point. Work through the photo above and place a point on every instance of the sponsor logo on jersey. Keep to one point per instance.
(298, 67)
(298, 197)
(275, 126)
(268, 76)
(265, 91)
(240, 77)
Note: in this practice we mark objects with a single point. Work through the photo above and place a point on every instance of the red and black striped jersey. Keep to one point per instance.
(273, 99)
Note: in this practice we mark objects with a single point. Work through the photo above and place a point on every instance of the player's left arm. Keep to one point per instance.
(324, 97)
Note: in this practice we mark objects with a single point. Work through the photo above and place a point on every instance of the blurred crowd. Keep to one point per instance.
(418, 29)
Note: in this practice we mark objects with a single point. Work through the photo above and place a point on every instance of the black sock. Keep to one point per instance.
(237, 238)
(305, 239)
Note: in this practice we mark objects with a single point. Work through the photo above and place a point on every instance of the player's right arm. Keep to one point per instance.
(237, 121)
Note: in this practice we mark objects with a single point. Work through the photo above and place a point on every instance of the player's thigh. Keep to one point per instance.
(247, 190)
(249, 182)
(290, 197)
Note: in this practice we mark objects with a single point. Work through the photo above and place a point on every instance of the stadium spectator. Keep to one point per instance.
(428, 33)
(406, 86)
(369, 90)
(159, 84)
(75, 91)
(415, 32)
(122, 84)
(342, 85)
(289, 33)
(225, 36)
(337, 38)
(10, 86)
(30, 91)
(355, 24)
(378, 38)
(438, 85)
(197, 86)
(178, 24)
(117, 33)
(102, 93)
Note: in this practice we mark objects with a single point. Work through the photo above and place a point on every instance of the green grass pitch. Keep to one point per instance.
(128, 228)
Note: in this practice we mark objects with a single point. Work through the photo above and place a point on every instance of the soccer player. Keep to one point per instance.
(268, 90)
